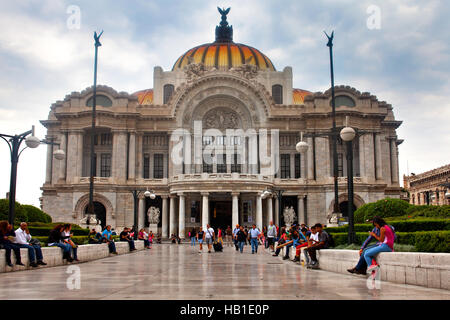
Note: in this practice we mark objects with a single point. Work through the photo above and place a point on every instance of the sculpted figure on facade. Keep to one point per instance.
(194, 70)
(289, 215)
(221, 119)
(153, 215)
(248, 71)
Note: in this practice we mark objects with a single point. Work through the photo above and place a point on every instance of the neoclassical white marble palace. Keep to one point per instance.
(211, 88)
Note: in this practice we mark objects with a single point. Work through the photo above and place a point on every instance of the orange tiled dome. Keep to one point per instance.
(298, 95)
(225, 55)
(144, 96)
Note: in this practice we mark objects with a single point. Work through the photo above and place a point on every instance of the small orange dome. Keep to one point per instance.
(145, 97)
(298, 95)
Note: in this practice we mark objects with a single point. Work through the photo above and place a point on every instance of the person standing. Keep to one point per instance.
(23, 238)
(192, 236)
(209, 237)
(200, 236)
(271, 235)
(235, 231)
(240, 238)
(229, 236)
(220, 236)
(254, 234)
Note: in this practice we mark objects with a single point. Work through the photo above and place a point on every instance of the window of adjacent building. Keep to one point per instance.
(236, 165)
(277, 93)
(297, 166)
(105, 165)
(101, 100)
(343, 101)
(222, 165)
(158, 166)
(168, 91)
(146, 166)
(285, 166)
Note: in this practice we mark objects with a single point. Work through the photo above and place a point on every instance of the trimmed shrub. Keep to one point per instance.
(383, 208)
(423, 241)
(20, 214)
(429, 211)
(35, 214)
(37, 231)
(401, 226)
(51, 225)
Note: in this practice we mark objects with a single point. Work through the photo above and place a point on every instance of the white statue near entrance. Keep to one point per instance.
(153, 219)
(288, 215)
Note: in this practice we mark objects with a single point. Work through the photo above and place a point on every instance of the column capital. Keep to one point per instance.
(204, 194)
(181, 194)
(235, 194)
(164, 196)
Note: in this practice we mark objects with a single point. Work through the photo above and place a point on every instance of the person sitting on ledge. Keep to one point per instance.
(6, 235)
(107, 236)
(283, 239)
(95, 237)
(66, 235)
(55, 240)
(144, 236)
(361, 266)
(158, 238)
(23, 238)
(322, 244)
(125, 236)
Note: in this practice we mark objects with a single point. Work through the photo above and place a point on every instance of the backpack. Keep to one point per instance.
(393, 231)
(330, 242)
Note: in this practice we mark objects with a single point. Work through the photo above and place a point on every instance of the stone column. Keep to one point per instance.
(49, 167)
(379, 174)
(269, 204)
(363, 155)
(205, 209)
(277, 210)
(140, 156)
(141, 213)
(301, 209)
(164, 218)
(235, 214)
(259, 218)
(80, 154)
(310, 159)
(119, 156)
(132, 157)
(62, 166)
(172, 222)
(181, 217)
(393, 145)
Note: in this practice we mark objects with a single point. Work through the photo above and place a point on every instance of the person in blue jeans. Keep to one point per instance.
(386, 242)
(193, 236)
(55, 240)
(23, 238)
(106, 234)
(240, 238)
(361, 266)
(254, 234)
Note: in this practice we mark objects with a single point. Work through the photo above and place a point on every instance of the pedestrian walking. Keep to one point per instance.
(200, 236)
(209, 237)
(253, 235)
(235, 231)
(193, 236)
(271, 235)
(229, 236)
(241, 235)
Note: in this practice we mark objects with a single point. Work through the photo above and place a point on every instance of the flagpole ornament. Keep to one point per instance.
(97, 38)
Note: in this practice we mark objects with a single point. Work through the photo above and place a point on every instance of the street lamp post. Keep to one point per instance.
(14, 143)
(334, 131)
(136, 194)
(347, 135)
(90, 210)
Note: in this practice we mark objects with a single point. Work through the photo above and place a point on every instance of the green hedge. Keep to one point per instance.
(76, 239)
(383, 208)
(429, 211)
(38, 231)
(52, 225)
(424, 241)
(26, 212)
(401, 226)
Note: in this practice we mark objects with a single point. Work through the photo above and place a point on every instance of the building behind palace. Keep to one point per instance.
(430, 187)
(217, 86)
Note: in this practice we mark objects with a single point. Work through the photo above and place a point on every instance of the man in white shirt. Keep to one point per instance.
(313, 239)
(209, 237)
(23, 238)
(254, 234)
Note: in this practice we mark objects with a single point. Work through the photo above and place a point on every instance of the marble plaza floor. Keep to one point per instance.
(170, 271)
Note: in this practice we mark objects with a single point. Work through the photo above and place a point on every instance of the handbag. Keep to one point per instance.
(35, 242)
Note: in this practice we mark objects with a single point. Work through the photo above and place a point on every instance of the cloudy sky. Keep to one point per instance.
(405, 62)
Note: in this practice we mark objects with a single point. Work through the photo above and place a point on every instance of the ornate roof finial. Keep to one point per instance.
(224, 33)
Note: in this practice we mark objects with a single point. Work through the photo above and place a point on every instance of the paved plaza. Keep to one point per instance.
(170, 271)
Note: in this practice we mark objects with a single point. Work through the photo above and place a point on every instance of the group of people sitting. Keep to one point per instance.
(300, 236)
(126, 235)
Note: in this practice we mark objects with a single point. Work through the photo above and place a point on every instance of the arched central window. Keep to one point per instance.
(277, 93)
(343, 101)
(168, 91)
(101, 100)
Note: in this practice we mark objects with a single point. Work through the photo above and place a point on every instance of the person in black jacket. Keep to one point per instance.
(55, 240)
(7, 231)
(241, 237)
(125, 236)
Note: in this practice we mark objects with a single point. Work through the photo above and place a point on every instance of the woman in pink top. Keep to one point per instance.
(385, 244)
